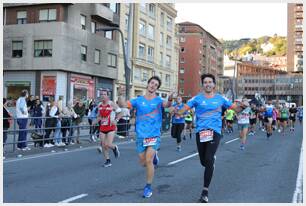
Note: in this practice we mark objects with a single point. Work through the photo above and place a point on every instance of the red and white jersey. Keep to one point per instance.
(105, 112)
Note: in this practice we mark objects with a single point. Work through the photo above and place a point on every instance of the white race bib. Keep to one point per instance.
(206, 135)
(149, 141)
(104, 121)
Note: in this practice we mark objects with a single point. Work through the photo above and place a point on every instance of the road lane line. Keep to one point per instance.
(231, 140)
(298, 193)
(182, 159)
(73, 198)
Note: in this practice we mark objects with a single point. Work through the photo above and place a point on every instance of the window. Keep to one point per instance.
(150, 54)
(83, 22)
(145, 76)
(169, 23)
(182, 70)
(182, 39)
(150, 31)
(168, 60)
(83, 53)
(43, 48)
(97, 56)
(182, 81)
(141, 50)
(182, 60)
(112, 60)
(21, 17)
(161, 39)
(162, 19)
(17, 49)
(161, 59)
(109, 35)
(167, 80)
(182, 49)
(47, 15)
(143, 7)
(181, 91)
(93, 27)
(169, 42)
(113, 7)
(137, 74)
(126, 22)
(152, 10)
(142, 28)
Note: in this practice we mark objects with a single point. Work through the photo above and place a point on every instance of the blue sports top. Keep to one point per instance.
(176, 119)
(208, 111)
(269, 110)
(148, 116)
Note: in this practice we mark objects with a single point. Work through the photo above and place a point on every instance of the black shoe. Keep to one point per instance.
(116, 152)
(107, 163)
(204, 197)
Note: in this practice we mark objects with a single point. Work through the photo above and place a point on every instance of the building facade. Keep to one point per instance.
(295, 37)
(200, 52)
(54, 50)
(154, 46)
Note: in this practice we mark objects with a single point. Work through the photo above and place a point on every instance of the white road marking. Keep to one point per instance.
(298, 193)
(231, 140)
(182, 159)
(73, 198)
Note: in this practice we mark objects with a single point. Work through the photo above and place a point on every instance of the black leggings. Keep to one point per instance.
(176, 131)
(207, 152)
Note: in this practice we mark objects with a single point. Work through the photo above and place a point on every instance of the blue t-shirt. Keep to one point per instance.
(176, 119)
(269, 110)
(208, 111)
(148, 116)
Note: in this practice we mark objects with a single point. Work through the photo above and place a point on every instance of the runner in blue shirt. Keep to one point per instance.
(268, 113)
(178, 123)
(208, 108)
(148, 128)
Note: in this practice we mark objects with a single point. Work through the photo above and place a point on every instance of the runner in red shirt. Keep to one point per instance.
(108, 116)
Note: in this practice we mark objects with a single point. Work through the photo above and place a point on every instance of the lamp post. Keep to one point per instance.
(127, 69)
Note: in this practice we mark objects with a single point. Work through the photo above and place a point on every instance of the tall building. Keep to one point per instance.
(154, 46)
(295, 37)
(200, 52)
(54, 50)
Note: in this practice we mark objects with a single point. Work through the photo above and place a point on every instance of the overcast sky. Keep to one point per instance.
(236, 20)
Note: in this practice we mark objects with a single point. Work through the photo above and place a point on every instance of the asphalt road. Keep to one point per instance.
(265, 172)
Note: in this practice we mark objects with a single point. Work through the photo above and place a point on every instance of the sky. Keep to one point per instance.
(233, 21)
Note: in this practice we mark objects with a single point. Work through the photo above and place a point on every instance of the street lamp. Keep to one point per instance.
(127, 69)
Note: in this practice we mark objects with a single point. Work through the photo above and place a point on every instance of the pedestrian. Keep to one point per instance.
(79, 109)
(92, 116)
(7, 121)
(208, 107)
(124, 122)
(178, 123)
(243, 122)
(148, 128)
(188, 124)
(253, 119)
(109, 115)
(300, 114)
(73, 116)
(284, 114)
(22, 120)
(292, 117)
(38, 111)
(268, 114)
(30, 105)
(229, 116)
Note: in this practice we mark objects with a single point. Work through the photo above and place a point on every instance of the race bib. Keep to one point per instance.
(206, 135)
(292, 115)
(104, 121)
(149, 141)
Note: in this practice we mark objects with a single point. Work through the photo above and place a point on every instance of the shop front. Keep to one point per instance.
(82, 87)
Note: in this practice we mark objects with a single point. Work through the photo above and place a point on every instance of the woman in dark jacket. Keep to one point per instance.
(6, 120)
(80, 110)
(38, 111)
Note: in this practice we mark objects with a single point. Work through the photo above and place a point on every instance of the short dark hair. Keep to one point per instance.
(203, 76)
(157, 79)
(24, 92)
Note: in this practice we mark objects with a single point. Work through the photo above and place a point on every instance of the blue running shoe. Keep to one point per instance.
(155, 159)
(147, 192)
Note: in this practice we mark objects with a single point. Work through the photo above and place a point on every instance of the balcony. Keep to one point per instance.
(299, 15)
(105, 13)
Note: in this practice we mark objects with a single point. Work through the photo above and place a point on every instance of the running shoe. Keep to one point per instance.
(99, 149)
(147, 192)
(204, 197)
(107, 163)
(179, 149)
(242, 147)
(116, 152)
(155, 159)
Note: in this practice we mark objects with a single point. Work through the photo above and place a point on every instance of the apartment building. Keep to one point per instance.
(200, 52)
(154, 46)
(295, 37)
(54, 50)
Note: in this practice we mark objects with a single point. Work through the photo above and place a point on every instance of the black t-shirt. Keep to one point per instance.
(293, 112)
(254, 113)
(6, 115)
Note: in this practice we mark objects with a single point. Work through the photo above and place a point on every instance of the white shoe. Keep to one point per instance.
(93, 138)
(51, 145)
(46, 145)
(279, 130)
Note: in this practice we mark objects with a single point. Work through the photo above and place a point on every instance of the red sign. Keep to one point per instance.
(48, 85)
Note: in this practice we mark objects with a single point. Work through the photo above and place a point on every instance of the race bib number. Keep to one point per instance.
(292, 115)
(206, 135)
(104, 121)
(149, 141)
